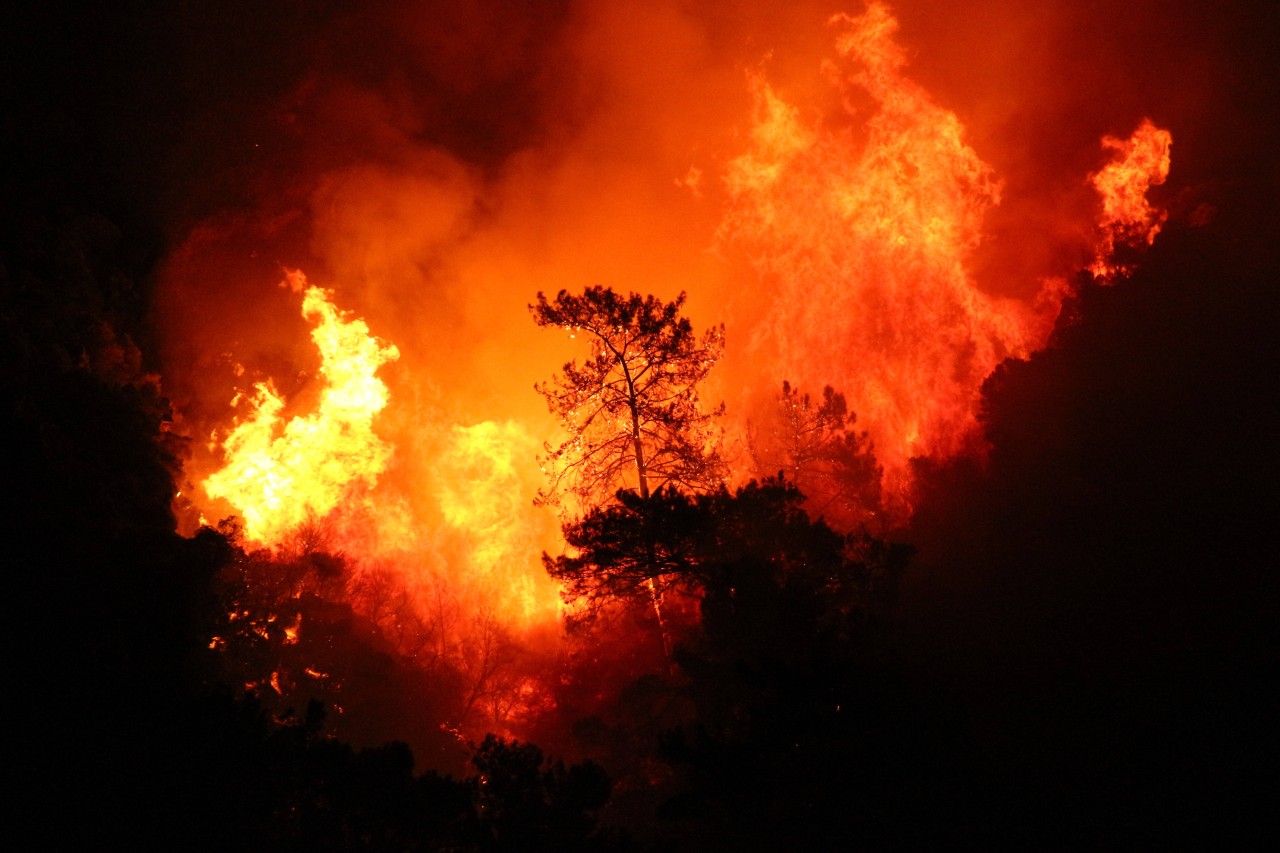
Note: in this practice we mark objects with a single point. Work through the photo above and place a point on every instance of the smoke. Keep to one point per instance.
(438, 166)
(435, 165)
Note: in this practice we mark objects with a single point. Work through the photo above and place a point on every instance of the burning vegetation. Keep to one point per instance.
(1128, 218)
(772, 523)
(281, 474)
(861, 224)
(859, 212)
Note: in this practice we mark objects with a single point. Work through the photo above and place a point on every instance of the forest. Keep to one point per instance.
(1059, 636)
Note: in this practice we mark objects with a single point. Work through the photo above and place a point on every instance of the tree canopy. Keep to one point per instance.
(707, 545)
(631, 409)
(817, 445)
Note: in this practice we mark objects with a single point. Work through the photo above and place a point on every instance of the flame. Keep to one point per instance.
(321, 471)
(1137, 163)
(862, 227)
(484, 497)
(279, 474)
(861, 209)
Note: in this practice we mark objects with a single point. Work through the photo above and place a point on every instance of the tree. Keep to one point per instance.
(631, 410)
(710, 546)
(816, 445)
(630, 546)
(525, 802)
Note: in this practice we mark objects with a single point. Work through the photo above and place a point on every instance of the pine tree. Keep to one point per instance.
(631, 410)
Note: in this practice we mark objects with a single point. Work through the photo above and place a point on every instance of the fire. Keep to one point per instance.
(484, 496)
(279, 474)
(1137, 163)
(861, 226)
(319, 474)
(861, 211)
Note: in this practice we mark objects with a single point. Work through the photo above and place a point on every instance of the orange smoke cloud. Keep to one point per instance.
(834, 213)
(859, 203)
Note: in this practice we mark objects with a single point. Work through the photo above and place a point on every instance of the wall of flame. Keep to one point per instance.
(855, 209)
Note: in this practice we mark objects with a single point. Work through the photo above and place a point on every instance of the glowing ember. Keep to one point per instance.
(1138, 163)
(862, 231)
(278, 474)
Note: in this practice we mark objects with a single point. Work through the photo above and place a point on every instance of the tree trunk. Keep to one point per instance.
(642, 474)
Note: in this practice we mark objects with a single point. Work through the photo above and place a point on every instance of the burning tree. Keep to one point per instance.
(631, 410)
(637, 431)
(816, 445)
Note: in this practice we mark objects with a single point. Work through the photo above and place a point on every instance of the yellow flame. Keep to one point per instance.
(485, 496)
(277, 473)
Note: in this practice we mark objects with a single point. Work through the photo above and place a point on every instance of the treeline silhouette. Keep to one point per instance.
(1098, 596)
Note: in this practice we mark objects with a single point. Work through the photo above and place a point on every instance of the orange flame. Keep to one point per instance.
(861, 223)
(278, 474)
(1137, 164)
(484, 496)
(862, 230)
(480, 544)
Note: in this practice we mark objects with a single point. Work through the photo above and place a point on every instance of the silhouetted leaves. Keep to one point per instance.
(632, 410)
(814, 444)
(525, 803)
(719, 547)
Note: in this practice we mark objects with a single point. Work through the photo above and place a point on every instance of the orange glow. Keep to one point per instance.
(861, 225)
(324, 480)
(1137, 163)
(834, 214)
(279, 473)
(484, 496)
(291, 631)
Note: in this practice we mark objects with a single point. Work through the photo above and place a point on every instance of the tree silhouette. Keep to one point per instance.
(525, 802)
(817, 446)
(718, 548)
(631, 410)
(625, 549)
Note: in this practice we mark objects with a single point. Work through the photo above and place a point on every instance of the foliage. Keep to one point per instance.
(526, 803)
(707, 546)
(778, 683)
(815, 444)
(631, 410)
